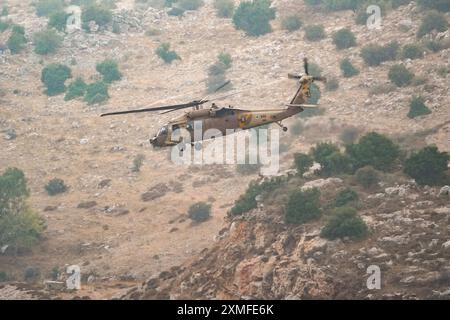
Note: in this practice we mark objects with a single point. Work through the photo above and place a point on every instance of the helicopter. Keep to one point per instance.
(226, 118)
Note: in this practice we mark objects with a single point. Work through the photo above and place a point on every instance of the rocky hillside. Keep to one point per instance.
(123, 226)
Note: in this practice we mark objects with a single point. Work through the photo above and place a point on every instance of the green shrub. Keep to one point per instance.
(101, 15)
(248, 169)
(96, 92)
(348, 70)
(247, 201)
(375, 150)
(224, 8)
(337, 5)
(374, 55)
(138, 161)
(55, 186)
(440, 5)
(199, 211)
(432, 21)
(315, 33)
(344, 39)
(436, 46)
(3, 276)
(54, 76)
(76, 89)
(345, 197)
(4, 25)
(428, 166)
(164, 52)
(58, 20)
(303, 162)
(176, 12)
(254, 17)
(5, 11)
(412, 51)
(109, 70)
(332, 84)
(349, 135)
(323, 150)
(367, 177)
(345, 222)
(190, 4)
(46, 41)
(336, 164)
(303, 206)
(225, 59)
(47, 7)
(291, 23)
(400, 76)
(19, 226)
(418, 108)
(17, 40)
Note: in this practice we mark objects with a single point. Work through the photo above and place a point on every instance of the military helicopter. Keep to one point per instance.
(227, 118)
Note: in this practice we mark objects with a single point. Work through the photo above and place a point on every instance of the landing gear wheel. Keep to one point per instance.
(285, 129)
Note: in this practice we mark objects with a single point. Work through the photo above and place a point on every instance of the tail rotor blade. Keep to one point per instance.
(306, 66)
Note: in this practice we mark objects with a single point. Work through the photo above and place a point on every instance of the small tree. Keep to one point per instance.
(374, 55)
(190, 4)
(303, 162)
(99, 14)
(412, 51)
(225, 59)
(303, 206)
(323, 150)
(46, 41)
(418, 108)
(254, 17)
(344, 39)
(58, 20)
(76, 89)
(164, 52)
(109, 70)
(199, 211)
(367, 177)
(225, 8)
(54, 76)
(375, 150)
(348, 70)
(440, 5)
(291, 23)
(432, 21)
(345, 222)
(428, 166)
(345, 197)
(47, 7)
(55, 186)
(17, 40)
(96, 92)
(400, 76)
(315, 33)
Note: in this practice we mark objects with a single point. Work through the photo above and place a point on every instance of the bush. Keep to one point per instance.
(3, 276)
(331, 160)
(323, 150)
(432, 21)
(345, 197)
(5, 11)
(16, 41)
(54, 76)
(254, 17)
(225, 59)
(314, 32)
(19, 226)
(190, 4)
(164, 52)
(400, 76)
(332, 84)
(4, 25)
(303, 206)
(248, 169)
(435, 45)
(367, 177)
(47, 7)
(96, 92)
(199, 211)
(375, 150)
(303, 162)
(176, 12)
(46, 41)
(344, 222)
(225, 8)
(440, 5)
(349, 135)
(55, 186)
(247, 201)
(348, 70)
(337, 5)
(417, 108)
(109, 70)
(58, 20)
(428, 166)
(76, 89)
(412, 51)
(374, 55)
(101, 15)
(291, 23)
(344, 39)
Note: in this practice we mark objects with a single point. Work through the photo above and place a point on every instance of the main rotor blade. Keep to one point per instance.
(306, 66)
(175, 107)
(217, 90)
